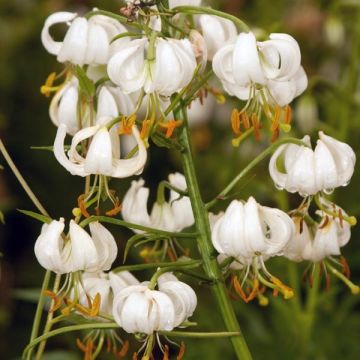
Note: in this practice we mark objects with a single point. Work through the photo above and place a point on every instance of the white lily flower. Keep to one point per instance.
(181, 294)
(175, 3)
(248, 230)
(174, 215)
(318, 242)
(171, 70)
(100, 158)
(273, 64)
(87, 41)
(79, 251)
(329, 165)
(217, 32)
(137, 309)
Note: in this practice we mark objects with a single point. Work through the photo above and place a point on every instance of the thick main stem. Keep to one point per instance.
(205, 246)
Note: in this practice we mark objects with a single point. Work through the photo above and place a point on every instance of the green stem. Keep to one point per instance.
(205, 246)
(250, 166)
(198, 10)
(167, 265)
(121, 19)
(64, 330)
(49, 318)
(21, 180)
(135, 226)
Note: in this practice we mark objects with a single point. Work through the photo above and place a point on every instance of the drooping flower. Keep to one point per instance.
(245, 65)
(101, 158)
(217, 32)
(170, 70)
(76, 251)
(137, 309)
(250, 230)
(181, 294)
(319, 241)
(87, 41)
(249, 234)
(172, 215)
(306, 171)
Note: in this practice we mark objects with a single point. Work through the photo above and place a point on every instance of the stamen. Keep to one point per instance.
(166, 352)
(355, 289)
(257, 126)
(181, 351)
(127, 124)
(125, 348)
(345, 266)
(170, 126)
(287, 292)
(115, 210)
(145, 129)
(48, 87)
(82, 206)
(235, 122)
(56, 300)
(288, 114)
(245, 119)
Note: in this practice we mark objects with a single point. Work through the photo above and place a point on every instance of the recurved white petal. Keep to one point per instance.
(83, 251)
(74, 45)
(49, 245)
(59, 152)
(105, 245)
(54, 47)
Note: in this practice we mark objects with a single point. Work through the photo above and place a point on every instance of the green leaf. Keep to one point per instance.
(42, 218)
(30, 295)
(87, 86)
(162, 141)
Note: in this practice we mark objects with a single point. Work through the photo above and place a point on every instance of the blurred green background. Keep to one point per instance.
(329, 36)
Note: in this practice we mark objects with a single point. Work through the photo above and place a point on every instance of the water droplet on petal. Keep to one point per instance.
(328, 191)
(279, 187)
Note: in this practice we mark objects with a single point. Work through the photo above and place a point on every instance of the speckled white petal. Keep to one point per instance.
(54, 47)
(105, 245)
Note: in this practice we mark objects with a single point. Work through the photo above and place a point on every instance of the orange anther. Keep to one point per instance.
(239, 290)
(145, 129)
(181, 351)
(126, 124)
(171, 255)
(56, 300)
(235, 122)
(115, 210)
(48, 88)
(134, 357)
(245, 119)
(257, 126)
(166, 353)
(170, 126)
(345, 267)
(95, 308)
(125, 348)
(82, 206)
(288, 114)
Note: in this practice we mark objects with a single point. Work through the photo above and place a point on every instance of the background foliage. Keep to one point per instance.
(323, 325)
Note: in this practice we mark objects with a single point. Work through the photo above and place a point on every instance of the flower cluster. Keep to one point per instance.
(125, 81)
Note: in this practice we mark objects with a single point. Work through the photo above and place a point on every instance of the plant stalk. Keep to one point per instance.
(205, 246)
